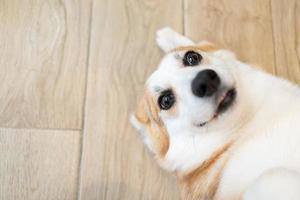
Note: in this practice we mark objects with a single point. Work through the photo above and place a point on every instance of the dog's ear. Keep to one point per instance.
(139, 125)
(141, 120)
(168, 39)
(142, 129)
(147, 122)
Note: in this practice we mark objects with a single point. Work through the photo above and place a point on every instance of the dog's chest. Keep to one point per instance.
(203, 182)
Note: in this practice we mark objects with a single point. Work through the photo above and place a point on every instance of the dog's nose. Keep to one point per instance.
(206, 83)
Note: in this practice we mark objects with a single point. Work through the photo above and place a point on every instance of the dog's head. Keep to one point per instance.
(193, 91)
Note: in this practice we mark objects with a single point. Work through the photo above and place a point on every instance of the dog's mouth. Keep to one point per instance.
(224, 102)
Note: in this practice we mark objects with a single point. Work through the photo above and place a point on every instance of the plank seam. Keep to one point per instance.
(273, 40)
(78, 194)
(296, 34)
(184, 24)
(39, 129)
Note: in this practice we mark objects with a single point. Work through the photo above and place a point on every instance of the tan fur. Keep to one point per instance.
(223, 163)
(202, 182)
(173, 111)
(206, 47)
(147, 114)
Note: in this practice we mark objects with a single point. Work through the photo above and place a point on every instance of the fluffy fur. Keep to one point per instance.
(251, 151)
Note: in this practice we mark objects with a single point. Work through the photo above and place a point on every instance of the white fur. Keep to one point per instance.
(264, 124)
(167, 39)
(275, 184)
(143, 133)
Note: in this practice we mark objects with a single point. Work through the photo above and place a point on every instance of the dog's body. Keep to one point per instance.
(228, 131)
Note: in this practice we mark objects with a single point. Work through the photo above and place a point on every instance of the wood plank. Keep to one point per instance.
(123, 53)
(242, 26)
(286, 31)
(38, 164)
(43, 55)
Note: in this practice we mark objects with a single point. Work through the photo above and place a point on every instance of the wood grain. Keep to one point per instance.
(115, 164)
(44, 56)
(242, 26)
(43, 53)
(286, 31)
(38, 164)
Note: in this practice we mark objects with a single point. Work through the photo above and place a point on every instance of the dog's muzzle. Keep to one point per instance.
(206, 83)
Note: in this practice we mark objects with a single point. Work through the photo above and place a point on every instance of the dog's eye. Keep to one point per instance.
(166, 100)
(191, 58)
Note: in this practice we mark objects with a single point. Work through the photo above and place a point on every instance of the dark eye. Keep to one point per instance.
(166, 100)
(191, 58)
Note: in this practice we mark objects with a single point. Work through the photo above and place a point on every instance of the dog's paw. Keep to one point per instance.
(168, 39)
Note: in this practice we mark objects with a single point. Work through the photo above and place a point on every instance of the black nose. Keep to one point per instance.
(206, 83)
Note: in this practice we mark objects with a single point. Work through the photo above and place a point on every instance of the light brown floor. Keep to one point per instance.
(71, 72)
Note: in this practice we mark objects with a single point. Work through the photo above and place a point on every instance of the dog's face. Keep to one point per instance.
(192, 88)
(193, 91)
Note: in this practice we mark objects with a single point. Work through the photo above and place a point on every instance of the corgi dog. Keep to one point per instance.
(225, 129)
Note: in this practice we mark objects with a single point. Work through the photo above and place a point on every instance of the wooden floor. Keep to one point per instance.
(71, 72)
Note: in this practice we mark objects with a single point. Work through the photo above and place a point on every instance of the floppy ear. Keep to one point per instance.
(148, 124)
(143, 130)
(140, 127)
(167, 39)
(137, 124)
(140, 119)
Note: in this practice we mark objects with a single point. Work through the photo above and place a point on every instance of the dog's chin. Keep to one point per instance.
(224, 101)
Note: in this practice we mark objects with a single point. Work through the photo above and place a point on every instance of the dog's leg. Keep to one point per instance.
(276, 184)
(168, 39)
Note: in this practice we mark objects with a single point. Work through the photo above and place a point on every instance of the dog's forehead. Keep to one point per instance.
(168, 69)
(168, 72)
(160, 79)
(202, 47)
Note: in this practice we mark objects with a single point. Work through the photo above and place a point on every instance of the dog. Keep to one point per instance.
(225, 129)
